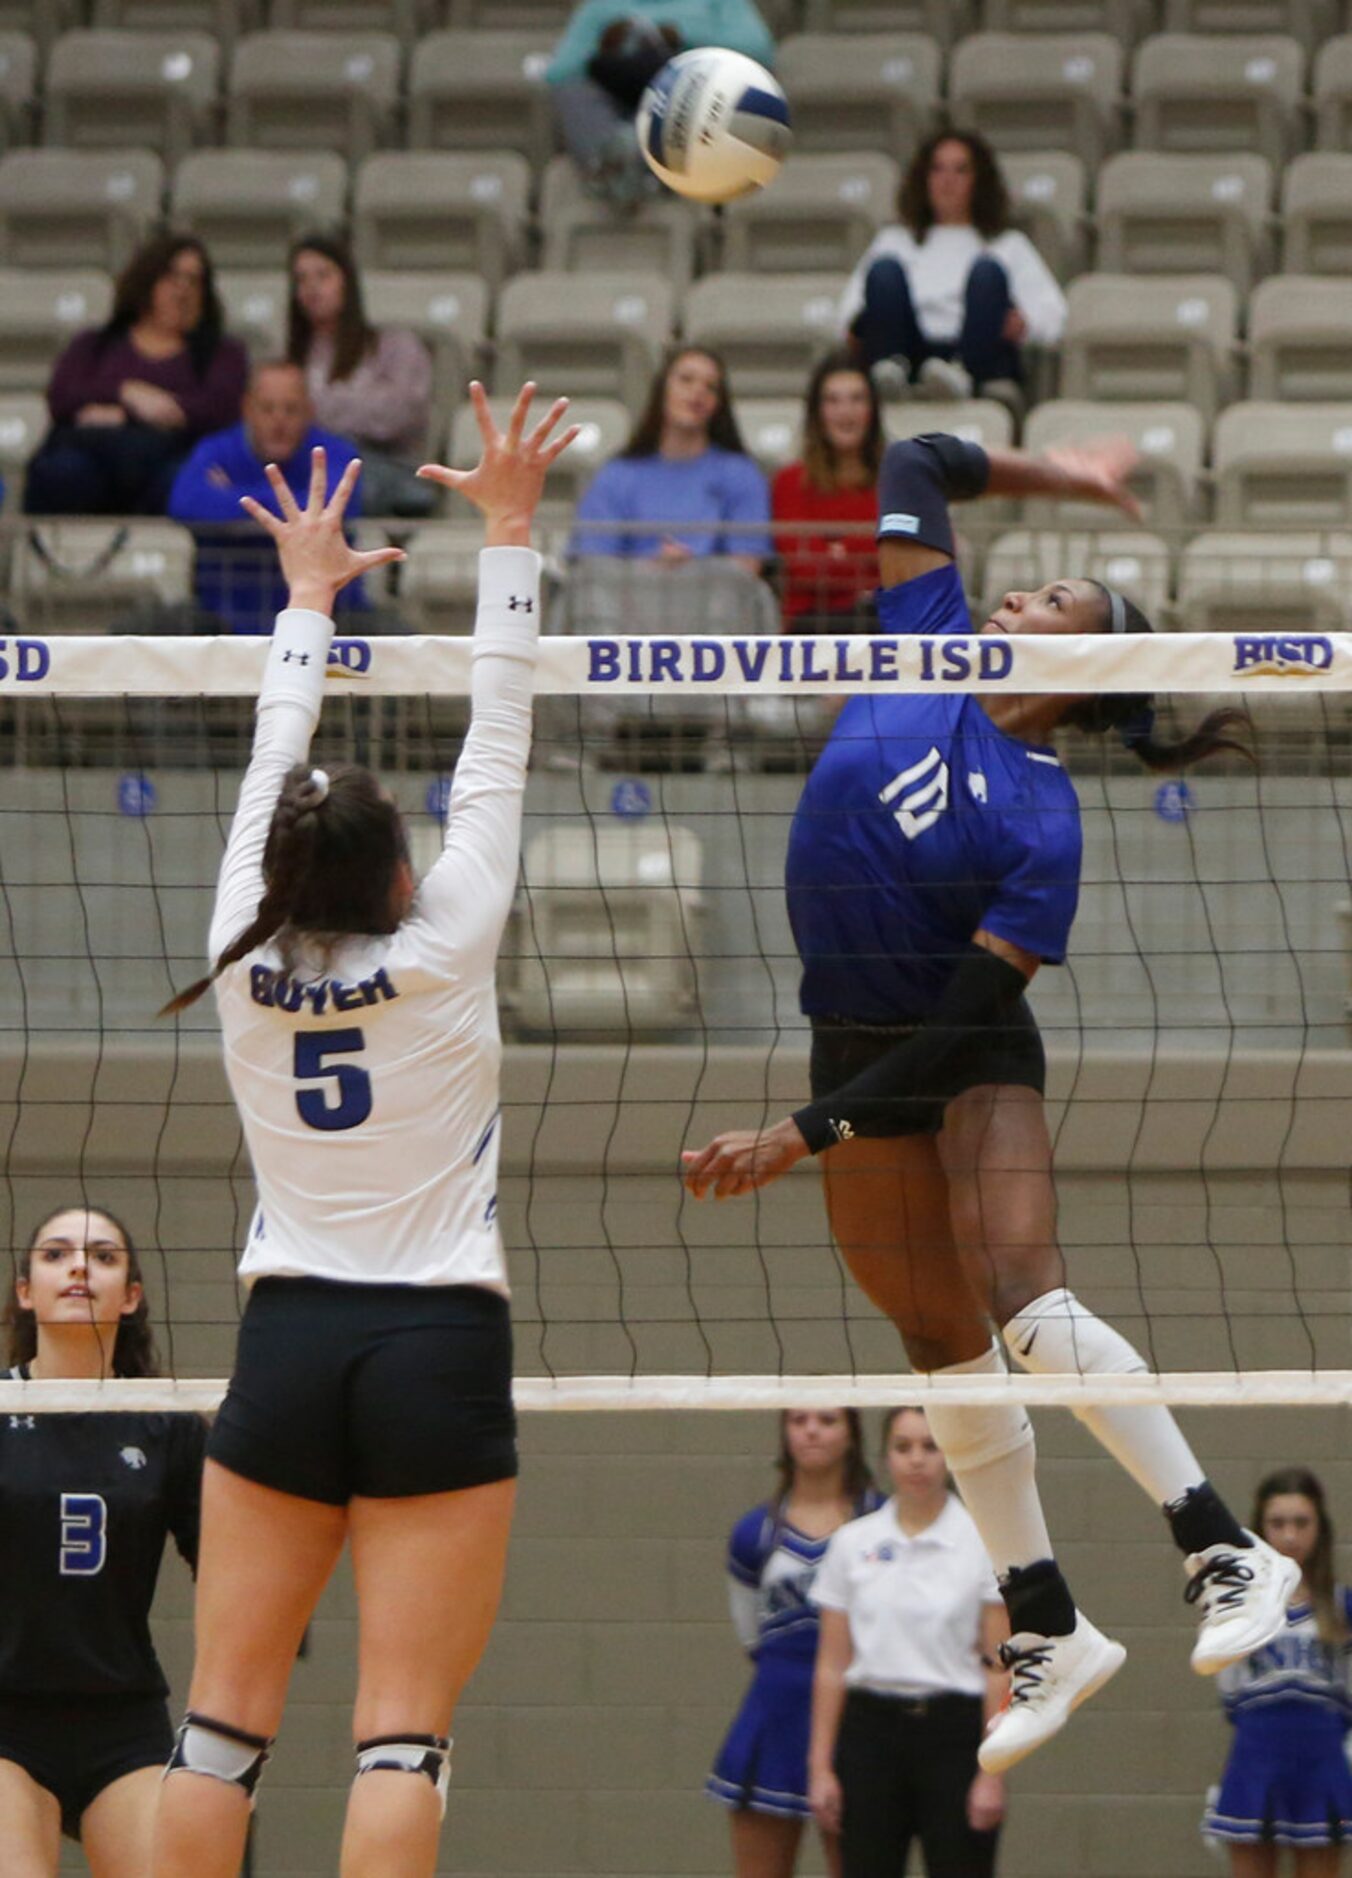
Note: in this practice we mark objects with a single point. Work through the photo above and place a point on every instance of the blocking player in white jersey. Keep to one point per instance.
(371, 1399)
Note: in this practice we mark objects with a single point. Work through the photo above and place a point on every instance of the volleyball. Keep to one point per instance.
(714, 125)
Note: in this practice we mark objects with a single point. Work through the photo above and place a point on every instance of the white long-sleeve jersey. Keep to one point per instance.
(366, 1076)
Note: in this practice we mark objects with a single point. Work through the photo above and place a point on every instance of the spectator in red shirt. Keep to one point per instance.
(829, 574)
(130, 398)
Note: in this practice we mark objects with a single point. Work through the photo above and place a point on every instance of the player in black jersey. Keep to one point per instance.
(86, 1503)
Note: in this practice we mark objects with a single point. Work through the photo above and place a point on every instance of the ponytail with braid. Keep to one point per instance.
(329, 864)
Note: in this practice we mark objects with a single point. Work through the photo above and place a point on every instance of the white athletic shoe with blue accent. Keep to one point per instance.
(1243, 1592)
(1049, 1677)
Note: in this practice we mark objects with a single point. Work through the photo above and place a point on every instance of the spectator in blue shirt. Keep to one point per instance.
(684, 463)
(239, 580)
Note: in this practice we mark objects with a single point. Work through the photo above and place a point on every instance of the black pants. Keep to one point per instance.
(887, 326)
(904, 1768)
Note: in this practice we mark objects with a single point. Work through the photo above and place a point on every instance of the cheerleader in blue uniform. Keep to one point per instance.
(1287, 1781)
(773, 1555)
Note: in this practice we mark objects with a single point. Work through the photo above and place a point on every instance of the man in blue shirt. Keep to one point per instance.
(238, 576)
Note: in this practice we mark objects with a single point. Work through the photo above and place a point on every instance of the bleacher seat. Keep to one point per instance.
(225, 20)
(43, 20)
(943, 20)
(449, 313)
(1293, 582)
(860, 92)
(1283, 465)
(1047, 197)
(583, 334)
(533, 16)
(439, 581)
(1218, 93)
(821, 214)
(770, 328)
(603, 424)
(72, 208)
(1331, 94)
(1167, 214)
(40, 313)
(1170, 338)
(772, 430)
(1309, 21)
(24, 420)
(18, 84)
(88, 576)
(1124, 20)
(1134, 562)
(404, 18)
(481, 91)
(1171, 439)
(442, 209)
(1316, 214)
(248, 206)
(1300, 338)
(1054, 91)
(308, 91)
(123, 90)
(660, 237)
(254, 300)
(975, 420)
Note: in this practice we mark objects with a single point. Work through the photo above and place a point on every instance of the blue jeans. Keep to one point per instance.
(887, 326)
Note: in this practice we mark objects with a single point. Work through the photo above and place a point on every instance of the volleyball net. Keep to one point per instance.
(1200, 1078)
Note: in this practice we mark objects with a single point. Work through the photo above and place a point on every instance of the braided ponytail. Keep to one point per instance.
(329, 863)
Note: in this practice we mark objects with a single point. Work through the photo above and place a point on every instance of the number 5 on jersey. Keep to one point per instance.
(84, 1534)
(346, 1102)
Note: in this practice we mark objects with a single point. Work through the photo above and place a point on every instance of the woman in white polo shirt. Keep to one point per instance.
(911, 1618)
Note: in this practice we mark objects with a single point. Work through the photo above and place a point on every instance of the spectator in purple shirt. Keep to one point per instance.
(130, 398)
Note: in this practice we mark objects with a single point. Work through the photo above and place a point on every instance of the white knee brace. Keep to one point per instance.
(974, 1437)
(204, 1746)
(409, 1754)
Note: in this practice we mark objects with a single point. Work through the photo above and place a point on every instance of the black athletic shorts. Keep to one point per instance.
(1011, 1053)
(380, 1390)
(75, 1746)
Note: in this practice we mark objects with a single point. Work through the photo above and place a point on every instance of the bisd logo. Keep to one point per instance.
(349, 658)
(1282, 658)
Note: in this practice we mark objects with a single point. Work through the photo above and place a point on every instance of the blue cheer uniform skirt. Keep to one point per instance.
(762, 1764)
(1287, 1781)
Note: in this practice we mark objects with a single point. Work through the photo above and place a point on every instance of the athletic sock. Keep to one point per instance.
(991, 1456)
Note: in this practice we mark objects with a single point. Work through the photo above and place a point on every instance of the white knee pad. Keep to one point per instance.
(975, 1437)
(204, 1746)
(1055, 1335)
(409, 1754)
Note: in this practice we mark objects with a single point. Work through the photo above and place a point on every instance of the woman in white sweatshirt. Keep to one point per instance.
(950, 290)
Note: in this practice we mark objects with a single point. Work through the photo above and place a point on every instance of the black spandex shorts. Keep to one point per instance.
(1011, 1054)
(380, 1390)
(75, 1746)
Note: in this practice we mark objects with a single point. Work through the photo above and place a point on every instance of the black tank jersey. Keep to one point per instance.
(86, 1503)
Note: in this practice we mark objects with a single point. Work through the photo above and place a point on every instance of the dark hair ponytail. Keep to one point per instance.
(1132, 714)
(134, 1351)
(328, 866)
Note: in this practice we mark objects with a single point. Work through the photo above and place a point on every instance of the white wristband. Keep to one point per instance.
(507, 620)
(297, 658)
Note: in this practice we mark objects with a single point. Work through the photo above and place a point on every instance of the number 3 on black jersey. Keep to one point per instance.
(349, 1083)
(84, 1535)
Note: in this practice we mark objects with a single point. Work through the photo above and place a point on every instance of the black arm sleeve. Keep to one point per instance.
(979, 994)
(185, 1504)
(919, 479)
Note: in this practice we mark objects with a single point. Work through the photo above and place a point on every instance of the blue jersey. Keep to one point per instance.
(776, 1564)
(921, 823)
(1297, 1673)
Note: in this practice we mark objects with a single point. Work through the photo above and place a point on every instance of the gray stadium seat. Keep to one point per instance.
(40, 313)
(442, 209)
(1047, 195)
(70, 208)
(24, 421)
(1283, 465)
(943, 20)
(307, 91)
(1125, 20)
(1166, 214)
(439, 581)
(1293, 582)
(772, 430)
(975, 420)
(1170, 437)
(603, 430)
(1170, 337)
(1309, 21)
(822, 213)
(1214, 92)
(404, 18)
(248, 206)
(481, 91)
(1316, 214)
(18, 84)
(1133, 561)
(1331, 92)
(855, 92)
(1055, 91)
(225, 20)
(579, 334)
(44, 20)
(87, 577)
(661, 237)
(1300, 338)
(122, 90)
(548, 17)
(254, 299)
(770, 328)
(449, 313)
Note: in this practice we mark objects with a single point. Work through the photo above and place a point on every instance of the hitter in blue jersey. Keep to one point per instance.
(933, 868)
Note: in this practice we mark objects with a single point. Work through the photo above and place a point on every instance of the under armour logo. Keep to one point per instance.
(299, 658)
(926, 794)
(519, 603)
(841, 1130)
(22, 1421)
(133, 1458)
